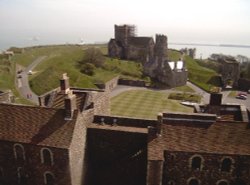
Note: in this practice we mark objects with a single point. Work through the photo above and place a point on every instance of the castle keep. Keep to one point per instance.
(153, 55)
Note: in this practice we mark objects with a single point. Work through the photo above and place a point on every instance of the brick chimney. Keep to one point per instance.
(215, 99)
(69, 105)
(64, 84)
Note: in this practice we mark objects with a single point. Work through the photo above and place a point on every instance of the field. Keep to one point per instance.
(144, 104)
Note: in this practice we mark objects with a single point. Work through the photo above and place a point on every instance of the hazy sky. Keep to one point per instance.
(59, 21)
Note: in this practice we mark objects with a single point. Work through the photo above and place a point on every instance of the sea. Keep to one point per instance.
(203, 51)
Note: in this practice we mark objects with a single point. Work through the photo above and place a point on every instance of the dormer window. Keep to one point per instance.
(47, 156)
(19, 152)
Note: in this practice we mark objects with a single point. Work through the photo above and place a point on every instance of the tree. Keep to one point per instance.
(88, 69)
(93, 56)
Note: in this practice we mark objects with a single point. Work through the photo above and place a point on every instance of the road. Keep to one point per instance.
(23, 82)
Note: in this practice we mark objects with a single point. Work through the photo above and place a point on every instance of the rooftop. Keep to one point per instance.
(36, 125)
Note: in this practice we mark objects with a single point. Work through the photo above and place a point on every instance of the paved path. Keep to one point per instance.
(23, 82)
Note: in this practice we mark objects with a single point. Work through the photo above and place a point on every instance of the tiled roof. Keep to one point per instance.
(220, 137)
(139, 41)
(36, 125)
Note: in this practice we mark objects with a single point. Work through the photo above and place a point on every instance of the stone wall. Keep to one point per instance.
(123, 121)
(33, 168)
(78, 162)
(136, 83)
(244, 84)
(7, 97)
(177, 168)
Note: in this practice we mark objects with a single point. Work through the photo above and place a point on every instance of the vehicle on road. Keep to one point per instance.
(30, 72)
(242, 97)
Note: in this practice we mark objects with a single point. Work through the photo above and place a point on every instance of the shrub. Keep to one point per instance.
(93, 56)
(88, 69)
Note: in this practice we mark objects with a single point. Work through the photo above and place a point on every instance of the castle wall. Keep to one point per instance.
(78, 162)
(177, 168)
(244, 84)
(32, 165)
(230, 71)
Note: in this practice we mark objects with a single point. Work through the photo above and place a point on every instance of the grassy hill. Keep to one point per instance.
(64, 58)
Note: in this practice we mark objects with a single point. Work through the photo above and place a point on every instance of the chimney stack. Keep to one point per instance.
(64, 83)
(70, 105)
(215, 99)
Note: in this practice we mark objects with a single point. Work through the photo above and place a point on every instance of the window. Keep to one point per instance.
(19, 152)
(47, 156)
(171, 182)
(222, 182)
(22, 176)
(1, 172)
(49, 178)
(193, 181)
(196, 162)
(226, 165)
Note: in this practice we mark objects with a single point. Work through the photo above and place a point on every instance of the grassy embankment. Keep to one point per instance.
(63, 59)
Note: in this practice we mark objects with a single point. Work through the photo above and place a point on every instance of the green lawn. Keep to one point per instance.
(184, 88)
(144, 104)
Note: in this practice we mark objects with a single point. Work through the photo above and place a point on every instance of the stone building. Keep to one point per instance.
(7, 97)
(72, 140)
(153, 55)
(230, 72)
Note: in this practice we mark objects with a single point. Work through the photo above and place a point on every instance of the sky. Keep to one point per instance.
(33, 22)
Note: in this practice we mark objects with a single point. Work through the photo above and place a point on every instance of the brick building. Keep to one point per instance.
(72, 140)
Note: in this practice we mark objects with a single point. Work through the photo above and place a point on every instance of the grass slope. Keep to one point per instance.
(144, 104)
(65, 59)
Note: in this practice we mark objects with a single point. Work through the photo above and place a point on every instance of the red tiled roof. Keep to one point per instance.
(36, 125)
(220, 137)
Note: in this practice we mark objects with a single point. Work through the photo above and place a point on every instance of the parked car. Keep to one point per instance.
(30, 72)
(248, 92)
(242, 97)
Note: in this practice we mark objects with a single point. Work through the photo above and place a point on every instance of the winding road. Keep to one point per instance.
(23, 81)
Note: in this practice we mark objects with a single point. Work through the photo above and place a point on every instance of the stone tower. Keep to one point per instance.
(160, 50)
(123, 32)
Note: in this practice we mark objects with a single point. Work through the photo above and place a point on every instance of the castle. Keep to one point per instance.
(153, 55)
(71, 139)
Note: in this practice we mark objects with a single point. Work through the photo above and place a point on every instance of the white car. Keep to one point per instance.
(30, 72)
